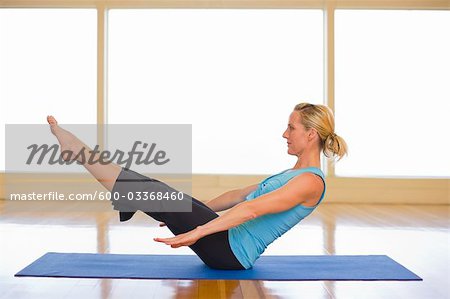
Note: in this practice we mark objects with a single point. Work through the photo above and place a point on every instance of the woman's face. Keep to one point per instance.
(296, 135)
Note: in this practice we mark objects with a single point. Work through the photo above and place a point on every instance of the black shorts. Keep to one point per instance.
(214, 250)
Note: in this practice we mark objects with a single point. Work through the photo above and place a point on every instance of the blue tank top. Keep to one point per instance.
(249, 239)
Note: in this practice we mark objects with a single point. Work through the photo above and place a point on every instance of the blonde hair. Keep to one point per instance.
(321, 118)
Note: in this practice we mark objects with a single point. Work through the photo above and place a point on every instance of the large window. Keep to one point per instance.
(234, 74)
(48, 65)
(393, 92)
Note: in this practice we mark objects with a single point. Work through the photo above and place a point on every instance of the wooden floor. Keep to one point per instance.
(415, 236)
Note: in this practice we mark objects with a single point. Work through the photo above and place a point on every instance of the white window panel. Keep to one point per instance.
(48, 65)
(393, 92)
(235, 75)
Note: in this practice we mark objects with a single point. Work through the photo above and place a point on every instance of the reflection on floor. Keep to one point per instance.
(415, 236)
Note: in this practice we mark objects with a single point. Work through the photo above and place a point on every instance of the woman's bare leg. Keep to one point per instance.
(106, 174)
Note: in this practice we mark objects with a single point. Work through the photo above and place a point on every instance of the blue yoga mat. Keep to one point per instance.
(293, 267)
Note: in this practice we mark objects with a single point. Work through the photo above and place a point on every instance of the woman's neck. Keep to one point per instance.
(304, 163)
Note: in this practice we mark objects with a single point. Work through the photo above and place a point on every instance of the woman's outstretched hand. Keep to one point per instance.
(185, 239)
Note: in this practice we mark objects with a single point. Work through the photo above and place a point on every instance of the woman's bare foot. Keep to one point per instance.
(69, 144)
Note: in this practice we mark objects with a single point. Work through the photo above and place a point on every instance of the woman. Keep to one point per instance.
(257, 215)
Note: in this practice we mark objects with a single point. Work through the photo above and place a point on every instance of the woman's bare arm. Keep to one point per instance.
(301, 189)
(298, 190)
(230, 199)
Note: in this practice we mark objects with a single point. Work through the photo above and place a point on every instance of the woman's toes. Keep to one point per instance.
(53, 125)
(51, 120)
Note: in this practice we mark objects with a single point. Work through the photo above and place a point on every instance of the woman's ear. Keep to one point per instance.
(312, 133)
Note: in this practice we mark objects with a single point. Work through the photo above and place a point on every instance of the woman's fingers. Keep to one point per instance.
(173, 242)
(166, 240)
(185, 239)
